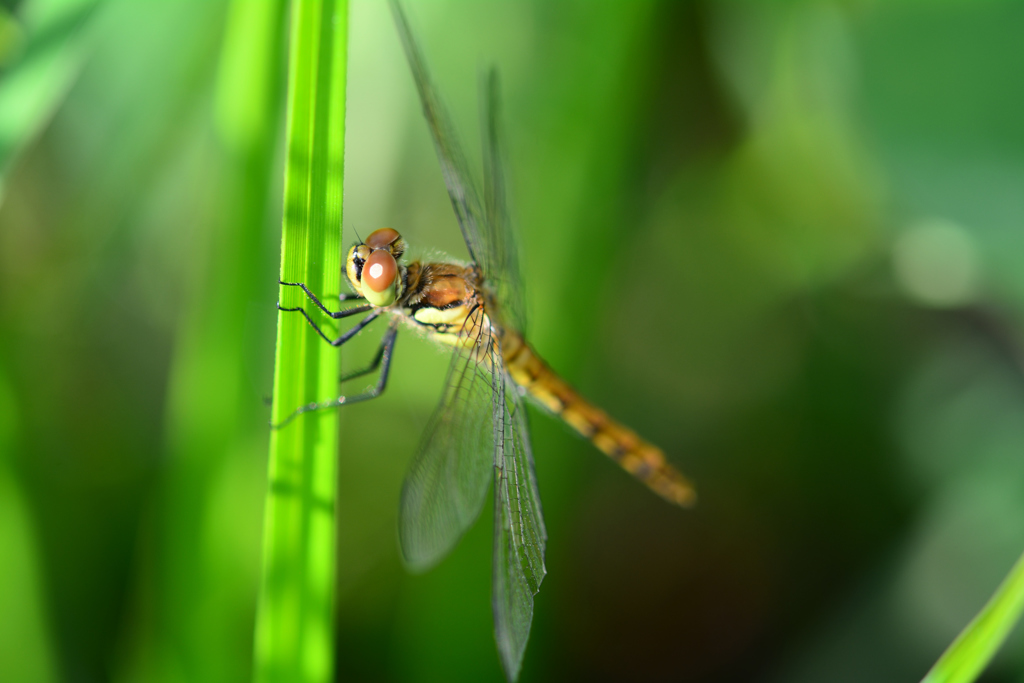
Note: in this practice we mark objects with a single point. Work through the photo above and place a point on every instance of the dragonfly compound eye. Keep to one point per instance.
(380, 278)
(387, 239)
(381, 239)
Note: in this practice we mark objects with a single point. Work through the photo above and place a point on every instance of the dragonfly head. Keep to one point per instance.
(372, 267)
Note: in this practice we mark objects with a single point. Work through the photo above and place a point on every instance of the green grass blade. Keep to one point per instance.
(972, 650)
(39, 59)
(215, 420)
(26, 652)
(294, 624)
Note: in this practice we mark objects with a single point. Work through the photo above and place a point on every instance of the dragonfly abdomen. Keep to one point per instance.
(643, 460)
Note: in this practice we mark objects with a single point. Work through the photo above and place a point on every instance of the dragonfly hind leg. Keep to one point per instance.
(382, 359)
(374, 364)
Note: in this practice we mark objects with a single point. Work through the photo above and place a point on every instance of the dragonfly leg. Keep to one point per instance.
(387, 346)
(374, 364)
(347, 312)
(383, 359)
(344, 296)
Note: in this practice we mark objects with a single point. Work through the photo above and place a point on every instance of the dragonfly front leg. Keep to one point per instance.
(355, 310)
(344, 296)
(383, 359)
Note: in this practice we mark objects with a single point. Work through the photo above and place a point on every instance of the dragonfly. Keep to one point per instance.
(478, 436)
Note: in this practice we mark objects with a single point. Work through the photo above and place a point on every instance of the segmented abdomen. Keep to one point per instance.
(643, 460)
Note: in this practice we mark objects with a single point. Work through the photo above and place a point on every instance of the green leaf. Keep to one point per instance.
(294, 629)
(214, 477)
(972, 650)
(41, 54)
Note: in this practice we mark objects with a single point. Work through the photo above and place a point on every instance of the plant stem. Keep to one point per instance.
(294, 630)
(212, 483)
(972, 650)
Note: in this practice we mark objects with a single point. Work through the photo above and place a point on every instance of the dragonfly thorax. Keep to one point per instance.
(373, 268)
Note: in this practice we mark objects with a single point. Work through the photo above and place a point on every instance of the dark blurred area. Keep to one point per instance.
(783, 241)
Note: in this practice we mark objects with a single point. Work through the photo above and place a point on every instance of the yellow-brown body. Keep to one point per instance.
(450, 304)
(643, 460)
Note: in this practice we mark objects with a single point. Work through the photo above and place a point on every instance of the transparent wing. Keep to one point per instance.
(447, 482)
(481, 411)
(500, 239)
(486, 230)
(519, 533)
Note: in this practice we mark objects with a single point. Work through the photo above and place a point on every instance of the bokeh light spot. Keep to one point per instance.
(936, 264)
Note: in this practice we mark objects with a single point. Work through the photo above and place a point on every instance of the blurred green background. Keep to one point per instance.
(781, 240)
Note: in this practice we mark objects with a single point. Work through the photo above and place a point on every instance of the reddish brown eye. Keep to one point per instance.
(379, 270)
(380, 239)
